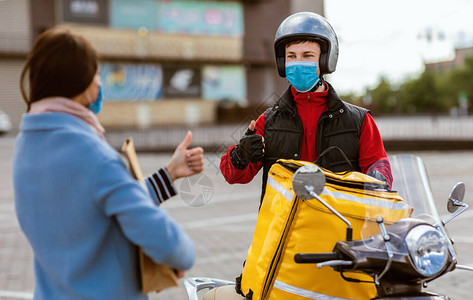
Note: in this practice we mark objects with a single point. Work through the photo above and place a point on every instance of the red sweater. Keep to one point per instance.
(309, 107)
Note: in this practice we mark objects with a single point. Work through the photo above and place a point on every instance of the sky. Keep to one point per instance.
(394, 38)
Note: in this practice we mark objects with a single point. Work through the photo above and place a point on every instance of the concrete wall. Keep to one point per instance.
(398, 133)
(157, 113)
(307, 5)
(11, 101)
(15, 33)
(262, 19)
(114, 43)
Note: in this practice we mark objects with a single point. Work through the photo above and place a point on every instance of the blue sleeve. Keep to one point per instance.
(143, 223)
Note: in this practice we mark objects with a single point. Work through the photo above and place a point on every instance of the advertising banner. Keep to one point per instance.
(201, 17)
(182, 83)
(216, 18)
(131, 82)
(134, 14)
(85, 11)
(224, 83)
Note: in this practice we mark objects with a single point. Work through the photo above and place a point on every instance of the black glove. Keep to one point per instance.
(249, 150)
(377, 175)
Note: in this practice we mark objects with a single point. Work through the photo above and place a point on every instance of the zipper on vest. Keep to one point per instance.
(270, 276)
(319, 133)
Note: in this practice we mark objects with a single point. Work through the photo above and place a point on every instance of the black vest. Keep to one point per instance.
(339, 126)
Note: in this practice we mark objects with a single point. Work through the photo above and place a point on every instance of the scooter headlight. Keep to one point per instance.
(428, 249)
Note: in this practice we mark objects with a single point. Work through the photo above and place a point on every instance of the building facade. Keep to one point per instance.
(163, 62)
(443, 67)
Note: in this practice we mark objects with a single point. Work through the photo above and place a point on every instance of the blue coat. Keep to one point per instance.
(83, 213)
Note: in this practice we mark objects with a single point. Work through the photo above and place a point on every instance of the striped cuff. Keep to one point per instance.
(162, 185)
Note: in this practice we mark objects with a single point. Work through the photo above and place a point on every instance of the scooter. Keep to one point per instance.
(402, 258)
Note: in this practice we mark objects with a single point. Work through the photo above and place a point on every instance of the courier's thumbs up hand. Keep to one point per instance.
(185, 162)
(251, 128)
(251, 146)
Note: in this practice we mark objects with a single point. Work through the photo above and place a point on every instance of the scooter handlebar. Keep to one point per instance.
(311, 258)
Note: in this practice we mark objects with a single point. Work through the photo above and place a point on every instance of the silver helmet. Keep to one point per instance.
(307, 26)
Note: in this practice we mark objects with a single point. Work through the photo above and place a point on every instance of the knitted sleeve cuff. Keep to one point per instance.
(162, 185)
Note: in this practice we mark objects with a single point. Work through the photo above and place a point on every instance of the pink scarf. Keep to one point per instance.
(67, 106)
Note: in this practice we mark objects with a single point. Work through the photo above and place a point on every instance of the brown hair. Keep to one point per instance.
(61, 64)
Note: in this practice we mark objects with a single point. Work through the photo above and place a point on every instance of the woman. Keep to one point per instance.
(76, 202)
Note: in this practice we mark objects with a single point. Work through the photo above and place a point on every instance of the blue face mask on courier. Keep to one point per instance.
(302, 75)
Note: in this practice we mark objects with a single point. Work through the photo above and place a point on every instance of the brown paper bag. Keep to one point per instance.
(153, 277)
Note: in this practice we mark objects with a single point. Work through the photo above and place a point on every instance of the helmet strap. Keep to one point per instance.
(319, 83)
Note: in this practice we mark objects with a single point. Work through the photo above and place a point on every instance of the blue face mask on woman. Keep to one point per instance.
(302, 75)
(97, 105)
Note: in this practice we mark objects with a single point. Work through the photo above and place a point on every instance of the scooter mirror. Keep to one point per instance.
(456, 197)
(307, 180)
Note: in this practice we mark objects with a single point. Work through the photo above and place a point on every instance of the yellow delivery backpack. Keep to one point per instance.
(288, 225)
